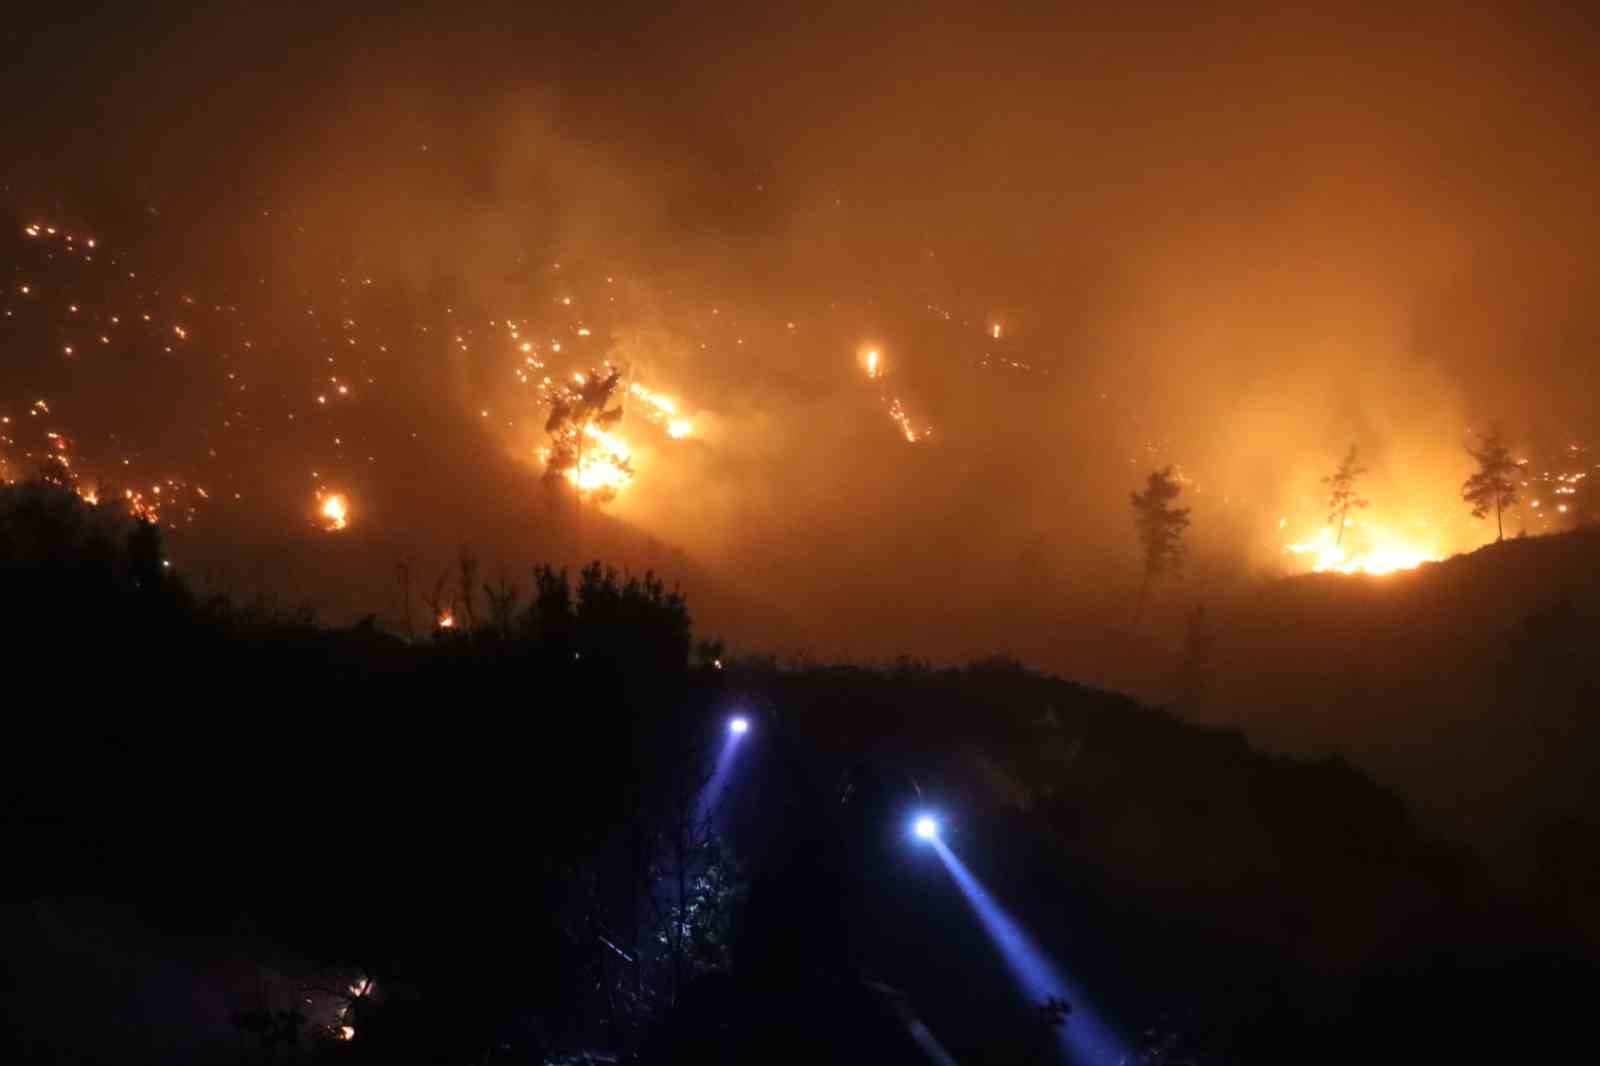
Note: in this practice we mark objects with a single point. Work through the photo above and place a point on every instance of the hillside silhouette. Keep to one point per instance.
(1468, 686)
(214, 806)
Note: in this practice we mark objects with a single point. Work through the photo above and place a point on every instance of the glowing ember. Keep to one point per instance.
(447, 620)
(347, 1032)
(873, 365)
(335, 513)
(897, 412)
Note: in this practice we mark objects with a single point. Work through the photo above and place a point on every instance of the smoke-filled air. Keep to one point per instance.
(1036, 532)
(902, 308)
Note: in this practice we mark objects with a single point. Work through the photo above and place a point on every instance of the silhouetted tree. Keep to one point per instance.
(635, 623)
(1194, 676)
(1161, 527)
(549, 615)
(708, 654)
(634, 620)
(1342, 498)
(1494, 486)
(467, 587)
(503, 596)
(442, 613)
(659, 914)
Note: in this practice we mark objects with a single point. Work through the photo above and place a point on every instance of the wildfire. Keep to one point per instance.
(897, 412)
(1373, 552)
(335, 513)
(663, 410)
(446, 620)
(872, 361)
(604, 466)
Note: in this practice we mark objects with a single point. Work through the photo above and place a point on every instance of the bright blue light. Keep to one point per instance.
(717, 783)
(1085, 1039)
(926, 827)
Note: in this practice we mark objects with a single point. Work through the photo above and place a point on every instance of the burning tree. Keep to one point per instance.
(1342, 498)
(1161, 527)
(579, 419)
(1494, 486)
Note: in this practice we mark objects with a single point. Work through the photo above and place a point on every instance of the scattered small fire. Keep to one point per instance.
(897, 411)
(335, 513)
(872, 362)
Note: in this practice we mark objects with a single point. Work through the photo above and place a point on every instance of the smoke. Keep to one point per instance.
(1236, 242)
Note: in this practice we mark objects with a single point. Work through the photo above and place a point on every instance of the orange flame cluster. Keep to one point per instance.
(1366, 548)
(335, 513)
(872, 362)
(664, 411)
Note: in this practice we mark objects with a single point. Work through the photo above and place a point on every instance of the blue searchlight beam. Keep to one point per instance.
(1085, 1039)
(738, 726)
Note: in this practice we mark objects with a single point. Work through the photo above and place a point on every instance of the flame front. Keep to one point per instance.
(664, 411)
(1372, 551)
(335, 513)
(604, 466)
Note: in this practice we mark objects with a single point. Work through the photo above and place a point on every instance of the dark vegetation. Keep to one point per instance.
(1470, 687)
(1342, 495)
(231, 832)
(1493, 488)
(1161, 528)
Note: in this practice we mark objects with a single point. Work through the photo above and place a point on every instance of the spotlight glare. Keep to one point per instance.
(926, 827)
(739, 726)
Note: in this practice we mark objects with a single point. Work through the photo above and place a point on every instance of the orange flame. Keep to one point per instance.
(335, 513)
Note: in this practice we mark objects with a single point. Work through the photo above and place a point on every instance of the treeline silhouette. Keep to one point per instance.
(226, 825)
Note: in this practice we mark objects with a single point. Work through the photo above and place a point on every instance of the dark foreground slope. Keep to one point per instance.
(1471, 687)
(213, 817)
